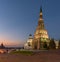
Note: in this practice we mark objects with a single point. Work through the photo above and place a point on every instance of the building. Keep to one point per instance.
(28, 44)
(57, 43)
(41, 34)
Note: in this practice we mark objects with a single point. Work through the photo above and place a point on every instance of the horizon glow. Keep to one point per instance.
(19, 18)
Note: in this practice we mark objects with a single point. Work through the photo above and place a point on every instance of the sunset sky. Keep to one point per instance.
(19, 18)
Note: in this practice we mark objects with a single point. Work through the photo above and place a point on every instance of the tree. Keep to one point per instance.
(45, 45)
(2, 46)
(52, 44)
(59, 45)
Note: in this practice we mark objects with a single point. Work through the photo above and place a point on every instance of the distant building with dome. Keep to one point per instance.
(28, 44)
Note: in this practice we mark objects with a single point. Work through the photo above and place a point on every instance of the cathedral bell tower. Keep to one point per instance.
(40, 34)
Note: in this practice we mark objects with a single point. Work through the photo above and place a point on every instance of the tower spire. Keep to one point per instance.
(41, 15)
(40, 21)
(41, 9)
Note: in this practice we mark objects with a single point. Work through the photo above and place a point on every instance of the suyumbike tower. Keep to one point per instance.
(40, 35)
